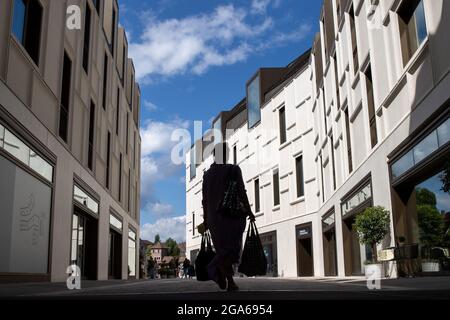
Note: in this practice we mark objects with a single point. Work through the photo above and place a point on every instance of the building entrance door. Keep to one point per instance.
(115, 255)
(329, 252)
(305, 260)
(84, 243)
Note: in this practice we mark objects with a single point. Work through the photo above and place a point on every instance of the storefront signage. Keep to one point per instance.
(116, 223)
(304, 232)
(85, 200)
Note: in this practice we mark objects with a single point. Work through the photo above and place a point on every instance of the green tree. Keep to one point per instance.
(372, 226)
(425, 197)
(445, 178)
(431, 227)
(157, 239)
(174, 250)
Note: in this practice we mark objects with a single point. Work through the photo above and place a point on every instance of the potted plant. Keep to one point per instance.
(431, 227)
(372, 226)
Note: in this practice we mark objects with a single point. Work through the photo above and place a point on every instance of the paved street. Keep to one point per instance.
(251, 289)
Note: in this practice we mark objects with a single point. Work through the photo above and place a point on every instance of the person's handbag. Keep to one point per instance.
(253, 260)
(231, 205)
(205, 256)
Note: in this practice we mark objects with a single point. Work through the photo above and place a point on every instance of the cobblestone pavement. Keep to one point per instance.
(250, 289)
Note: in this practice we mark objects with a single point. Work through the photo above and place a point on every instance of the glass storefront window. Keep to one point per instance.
(357, 199)
(402, 165)
(115, 222)
(425, 147)
(41, 166)
(444, 133)
(17, 148)
(82, 198)
(422, 150)
(24, 221)
(132, 257)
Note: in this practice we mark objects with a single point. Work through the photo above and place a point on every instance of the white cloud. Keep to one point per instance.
(150, 106)
(195, 43)
(161, 209)
(174, 228)
(156, 161)
(260, 6)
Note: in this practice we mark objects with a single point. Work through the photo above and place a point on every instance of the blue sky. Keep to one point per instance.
(192, 59)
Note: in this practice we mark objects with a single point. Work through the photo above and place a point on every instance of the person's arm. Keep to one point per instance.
(243, 193)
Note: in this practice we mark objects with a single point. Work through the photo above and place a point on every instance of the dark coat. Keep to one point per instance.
(226, 233)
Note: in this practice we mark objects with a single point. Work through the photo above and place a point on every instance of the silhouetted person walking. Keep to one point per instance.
(226, 231)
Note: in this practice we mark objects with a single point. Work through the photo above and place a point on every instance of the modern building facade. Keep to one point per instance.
(360, 120)
(69, 142)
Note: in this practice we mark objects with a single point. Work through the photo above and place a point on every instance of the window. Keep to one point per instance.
(282, 115)
(336, 78)
(124, 55)
(325, 116)
(113, 31)
(126, 133)
(87, 36)
(333, 164)
(132, 253)
(436, 139)
(349, 141)
(91, 136)
(97, 5)
(132, 91)
(371, 107)
(120, 177)
(118, 111)
(257, 197)
(354, 41)
(413, 27)
(19, 150)
(65, 97)
(254, 102)
(105, 80)
(321, 178)
(235, 155)
(193, 167)
(276, 188)
(27, 24)
(108, 160)
(193, 224)
(299, 176)
(134, 150)
(129, 190)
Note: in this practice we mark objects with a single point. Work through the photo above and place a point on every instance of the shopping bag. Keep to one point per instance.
(253, 260)
(205, 256)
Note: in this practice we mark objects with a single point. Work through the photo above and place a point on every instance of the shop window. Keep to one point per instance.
(27, 25)
(19, 150)
(413, 27)
(24, 222)
(131, 253)
(432, 142)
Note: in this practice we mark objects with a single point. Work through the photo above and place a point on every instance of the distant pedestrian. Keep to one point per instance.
(186, 265)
